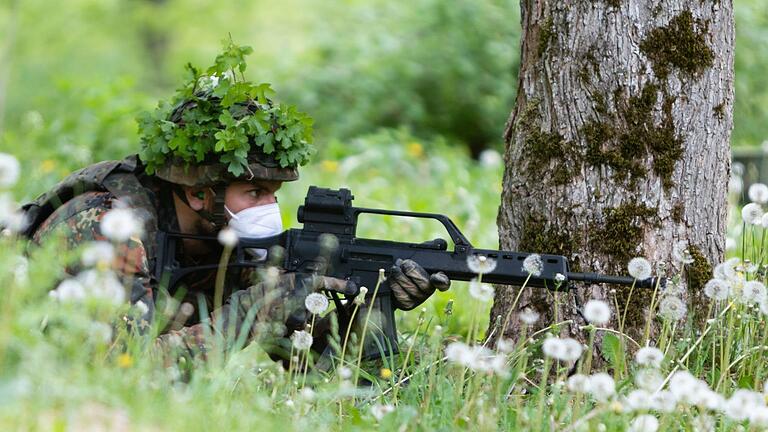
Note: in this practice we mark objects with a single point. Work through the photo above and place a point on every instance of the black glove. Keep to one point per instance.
(411, 285)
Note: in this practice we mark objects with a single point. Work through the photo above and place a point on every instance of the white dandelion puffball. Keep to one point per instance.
(120, 224)
(597, 312)
(344, 372)
(102, 285)
(752, 214)
(648, 379)
(481, 264)
(505, 345)
(141, 307)
(758, 193)
(602, 386)
(98, 253)
(301, 340)
(763, 307)
(100, 332)
(639, 268)
(228, 237)
(674, 288)
(742, 402)
(763, 223)
(735, 185)
(553, 347)
(649, 356)
(316, 303)
(681, 253)
(9, 170)
(68, 290)
(378, 411)
(644, 423)
(753, 292)
(578, 383)
(663, 401)
(533, 265)
(559, 277)
(687, 388)
(562, 349)
(672, 308)
(638, 400)
(481, 291)
(730, 244)
(490, 158)
(528, 316)
(572, 349)
(458, 352)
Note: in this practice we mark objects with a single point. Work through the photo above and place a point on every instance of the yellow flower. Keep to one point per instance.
(47, 166)
(329, 166)
(385, 373)
(124, 360)
(415, 149)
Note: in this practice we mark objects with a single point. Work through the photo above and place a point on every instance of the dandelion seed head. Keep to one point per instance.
(597, 312)
(572, 349)
(672, 308)
(379, 411)
(578, 383)
(759, 417)
(758, 193)
(730, 244)
(681, 253)
(316, 303)
(735, 185)
(717, 289)
(753, 292)
(602, 386)
(228, 237)
(649, 356)
(741, 403)
(663, 401)
(638, 400)
(102, 285)
(644, 423)
(505, 345)
(68, 290)
(553, 347)
(98, 253)
(559, 277)
(528, 316)
(301, 340)
(639, 268)
(120, 224)
(344, 372)
(686, 388)
(533, 265)
(360, 299)
(481, 264)
(481, 291)
(675, 288)
(9, 170)
(649, 379)
(752, 214)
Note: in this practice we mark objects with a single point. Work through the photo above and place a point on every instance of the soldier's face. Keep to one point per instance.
(242, 195)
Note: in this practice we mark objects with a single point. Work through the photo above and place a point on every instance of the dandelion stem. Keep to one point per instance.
(221, 274)
(514, 305)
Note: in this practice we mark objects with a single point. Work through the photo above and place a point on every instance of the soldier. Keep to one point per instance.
(215, 156)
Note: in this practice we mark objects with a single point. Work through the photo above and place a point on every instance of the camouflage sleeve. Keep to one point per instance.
(78, 222)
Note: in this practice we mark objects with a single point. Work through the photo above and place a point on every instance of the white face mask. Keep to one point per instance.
(257, 222)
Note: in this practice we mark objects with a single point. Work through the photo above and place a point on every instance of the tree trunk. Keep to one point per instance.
(618, 147)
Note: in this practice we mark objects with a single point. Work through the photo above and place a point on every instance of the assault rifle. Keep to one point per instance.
(328, 211)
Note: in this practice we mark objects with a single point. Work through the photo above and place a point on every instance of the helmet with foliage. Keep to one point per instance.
(219, 128)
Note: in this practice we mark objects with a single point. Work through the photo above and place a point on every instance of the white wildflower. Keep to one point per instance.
(553, 347)
(562, 349)
(528, 316)
(741, 403)
(727, 270)
(344, 372)
(681, 253)
(142, 307)
(301, 340)
(559, 277)
(649, 356)
(730, 244)
(360, 299)
(490, 158)
(602, 386)
(649, 379)
(98, 253)
(379, 411)
(572, 349)
(316, 303)
(717, 289)
(711, 400)
(759, 417)
(752, 214)
(644, 423)
(763, 305)
(672, 308)
(102, 285)
(703, 423)
(597, 312)
(674, 288)
(228, 237)
(758, 193)
(9, 170)
(505, 345)
(763, 223)
(578, 383)
(638, 400)
(68, 289)
(533, 265)
(120, 224)
(100, 332)
(686, 388)
(480, 291)
(639, 268)
(663, 401)
(735, 185)
(753, 292)
(458, 352)
(481, 264)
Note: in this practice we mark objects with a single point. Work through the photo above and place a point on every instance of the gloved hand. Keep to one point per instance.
(411, 285)
(278, 304)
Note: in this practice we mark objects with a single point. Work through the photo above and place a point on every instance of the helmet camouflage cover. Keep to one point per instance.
(219, 128)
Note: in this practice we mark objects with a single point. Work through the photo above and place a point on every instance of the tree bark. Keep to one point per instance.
(618, 146)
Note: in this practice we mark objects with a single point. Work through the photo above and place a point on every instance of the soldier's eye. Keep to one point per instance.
(256, 193)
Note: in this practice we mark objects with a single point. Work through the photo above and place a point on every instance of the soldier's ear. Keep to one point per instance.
(196, 197)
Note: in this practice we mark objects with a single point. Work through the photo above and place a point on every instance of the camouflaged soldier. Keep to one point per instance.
(215, 156)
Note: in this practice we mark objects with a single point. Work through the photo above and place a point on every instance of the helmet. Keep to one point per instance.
(219, 128)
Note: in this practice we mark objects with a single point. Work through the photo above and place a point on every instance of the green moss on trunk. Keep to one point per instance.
(540, 237)
(680, 44)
